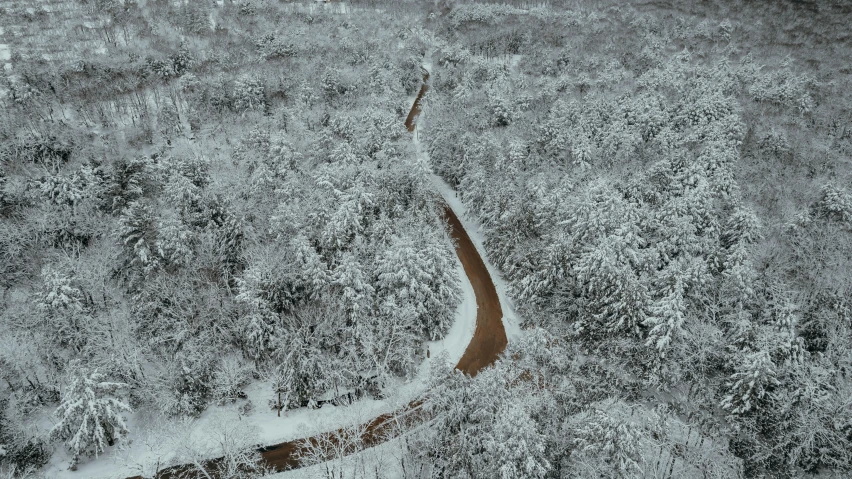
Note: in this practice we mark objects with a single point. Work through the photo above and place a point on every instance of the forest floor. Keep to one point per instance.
(488, 341)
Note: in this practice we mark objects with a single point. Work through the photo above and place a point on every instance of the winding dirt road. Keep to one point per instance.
(488, 342)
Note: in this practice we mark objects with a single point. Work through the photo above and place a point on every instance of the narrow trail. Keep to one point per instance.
(489, 338)
(416, 108)
(488, 342)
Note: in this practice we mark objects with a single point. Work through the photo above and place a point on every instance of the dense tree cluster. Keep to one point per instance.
(620, 192)
(219, 209)
(200, 195)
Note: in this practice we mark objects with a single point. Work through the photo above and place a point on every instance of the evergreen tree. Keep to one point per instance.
(259, 329)
(420, 272)
(284, 278)
(66, 190)
(90, 414)
(353, 281)
(174, 243)
(137, 234)
(65, 308)
(249, 94)
(666, 317)
(606, 446)
(750, 387)
(835, 204)
(187, 381)
(128, 181)
(610, 275)
(230, 242)
(743, 227)
(349, 217)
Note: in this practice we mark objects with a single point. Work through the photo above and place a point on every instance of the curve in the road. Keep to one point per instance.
(488, 342)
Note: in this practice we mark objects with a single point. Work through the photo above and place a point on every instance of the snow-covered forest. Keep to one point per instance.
(223, 254)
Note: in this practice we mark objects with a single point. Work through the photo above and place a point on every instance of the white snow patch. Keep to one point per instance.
(513, 63)
(5, 52)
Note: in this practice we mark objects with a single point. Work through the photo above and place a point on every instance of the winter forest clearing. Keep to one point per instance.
(229, 226)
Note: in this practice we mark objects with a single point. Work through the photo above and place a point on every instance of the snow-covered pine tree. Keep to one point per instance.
(259, 328)
(751, 385)
(90, 413)
(168, 121)
(230, 240)
(348, 218)
(188, 379)
(174, 243)
(283, 278)
(666, 316)
(184, 195)
(128, 181)
(248, 94)
(605, 445)
(137, 234)
(517, 445)
(353, 282)
(63, 305)
(609, 273)
(743, 226)
(835, 204)
(65, 190)
(418, 268)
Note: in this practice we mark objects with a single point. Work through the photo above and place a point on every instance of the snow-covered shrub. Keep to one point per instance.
(184, 388)
(229, 378)
(19, 452)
